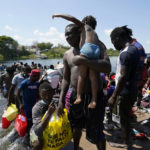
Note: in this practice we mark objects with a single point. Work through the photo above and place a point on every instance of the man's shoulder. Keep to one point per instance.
(68, 54)
(132, 49)
(69, 51)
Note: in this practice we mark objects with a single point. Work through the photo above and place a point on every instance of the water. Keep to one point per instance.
(43, 62)
(5, 134)
(49, 62)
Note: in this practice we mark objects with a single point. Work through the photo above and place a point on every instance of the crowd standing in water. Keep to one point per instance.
(86, 75)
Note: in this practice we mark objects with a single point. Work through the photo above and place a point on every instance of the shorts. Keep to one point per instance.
(90, 50)
(81, 116)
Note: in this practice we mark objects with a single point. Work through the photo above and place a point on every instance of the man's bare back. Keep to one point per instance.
(88, 35)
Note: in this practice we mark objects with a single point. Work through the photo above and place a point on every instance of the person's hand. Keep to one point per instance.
(60, 111)
(53, 16)
(111, 101)
(78, 60)
(51, 108)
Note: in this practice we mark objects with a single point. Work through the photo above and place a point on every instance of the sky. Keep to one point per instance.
(29, 21)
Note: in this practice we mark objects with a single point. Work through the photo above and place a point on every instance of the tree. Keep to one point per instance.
(44, 46)
(8, 47)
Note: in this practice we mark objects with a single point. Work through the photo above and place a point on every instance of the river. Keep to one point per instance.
(49, 62)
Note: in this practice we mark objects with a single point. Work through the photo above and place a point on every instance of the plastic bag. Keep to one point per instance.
(58, 132)
(5, 122)
(11, 112)
(21, 124)
(53, 77)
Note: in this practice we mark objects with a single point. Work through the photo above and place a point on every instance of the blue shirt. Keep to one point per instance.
(30, 91)
(130, 58)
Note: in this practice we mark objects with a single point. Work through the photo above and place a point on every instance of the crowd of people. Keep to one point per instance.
(87, 77)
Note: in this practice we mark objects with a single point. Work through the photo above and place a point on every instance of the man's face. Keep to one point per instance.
(72, 36)
(118, 43)
(46, 95)
(35, 77)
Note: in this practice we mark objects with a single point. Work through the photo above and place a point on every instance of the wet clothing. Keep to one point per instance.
(81, 116)
(128, 57)
(141, 51)
(90, 50)
(17, 79)
(38, 112)
(29, 97)
(30, 91)
(5, 82)
(125, 106)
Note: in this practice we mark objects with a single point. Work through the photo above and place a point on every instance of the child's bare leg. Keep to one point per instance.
(80, 85)
(94, 88)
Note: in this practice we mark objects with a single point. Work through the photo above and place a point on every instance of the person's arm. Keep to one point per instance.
(19, 99)
(69, 18)
(119, 86)
(11, 94)
(99, 65)
(41, 79)
(39, 125)
(46, 119)
(64, 86)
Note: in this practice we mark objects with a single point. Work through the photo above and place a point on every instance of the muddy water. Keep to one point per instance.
(7, 139)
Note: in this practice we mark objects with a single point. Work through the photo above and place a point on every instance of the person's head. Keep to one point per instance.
(10, 70)
(51, 67)
(34, 75)
(72, 35)
(90, 20)
(46, 91)
(26, 71)
(120, 36)
(21, 63)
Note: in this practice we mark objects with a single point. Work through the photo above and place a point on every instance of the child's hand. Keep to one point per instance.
(53, 16)
(51, 107)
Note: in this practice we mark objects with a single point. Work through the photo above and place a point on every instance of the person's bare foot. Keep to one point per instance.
(92, 104)
(77, 101)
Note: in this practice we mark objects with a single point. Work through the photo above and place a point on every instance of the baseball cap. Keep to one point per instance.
(35, 72)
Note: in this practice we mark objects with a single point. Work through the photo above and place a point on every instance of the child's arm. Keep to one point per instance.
(70, 18)
(50, 111)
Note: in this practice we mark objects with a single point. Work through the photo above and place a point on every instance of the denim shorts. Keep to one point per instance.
(90, 50)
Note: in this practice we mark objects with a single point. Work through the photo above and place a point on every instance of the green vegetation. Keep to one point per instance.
(10, 50)
(44, 46)
(112, 52)
(57, 52)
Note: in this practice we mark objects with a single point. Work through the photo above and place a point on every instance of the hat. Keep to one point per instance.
(35, 72)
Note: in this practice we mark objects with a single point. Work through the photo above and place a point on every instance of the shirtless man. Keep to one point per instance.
(89, 48)
(79, 113)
